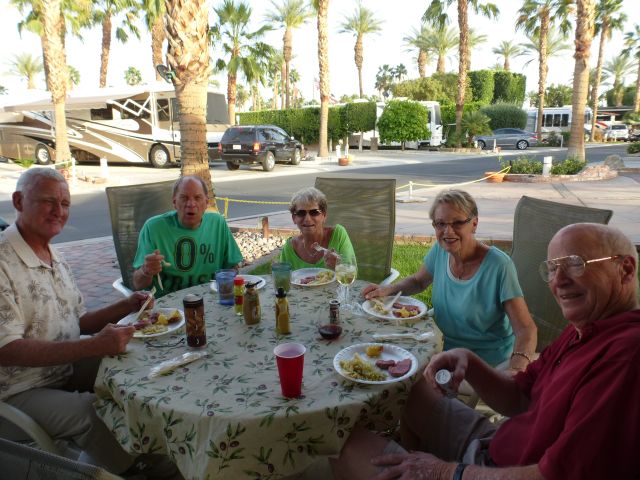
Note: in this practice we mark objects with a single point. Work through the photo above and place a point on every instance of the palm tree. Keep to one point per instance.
(273, 71)
(475, 39)
(508, 50)
(244, 51)
(585, 27)
(418, 40)
(154, 21)
(436, 14)
(618, 68)
(27, 66)
(294, 78)
(399, 72)
(188, 57)
(557, 43)
(632, 42)
(132, 76)
(74, 77)
(290, 14)
(384, 80)
(322, 12)
(103, 14)
(442, 41)
(242, 95)
(608, 19)
(361, 23)
(536, 17)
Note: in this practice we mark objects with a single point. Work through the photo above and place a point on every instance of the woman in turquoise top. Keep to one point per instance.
(309, 211)
(476, 296)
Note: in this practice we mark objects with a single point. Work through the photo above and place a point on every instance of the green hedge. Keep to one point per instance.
(482, 85)
(448, 111)
(509, 87)
(504, 115)
(633, 147)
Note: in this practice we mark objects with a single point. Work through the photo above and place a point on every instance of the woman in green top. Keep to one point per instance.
(309, 211)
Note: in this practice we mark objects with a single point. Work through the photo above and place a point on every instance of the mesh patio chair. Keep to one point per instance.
(22, 462)
(129, 207)
(535, 223)
(367, 209)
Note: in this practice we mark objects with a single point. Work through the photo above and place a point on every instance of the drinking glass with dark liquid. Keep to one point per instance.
(329, 326)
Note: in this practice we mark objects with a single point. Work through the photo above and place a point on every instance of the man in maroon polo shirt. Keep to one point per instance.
(574, 412)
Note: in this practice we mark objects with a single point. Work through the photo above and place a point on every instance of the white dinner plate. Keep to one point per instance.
(389, 352)
(131, 319)
(368, 307)
(247, 279)
(298, 275)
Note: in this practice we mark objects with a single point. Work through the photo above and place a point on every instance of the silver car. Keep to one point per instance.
(508, 137)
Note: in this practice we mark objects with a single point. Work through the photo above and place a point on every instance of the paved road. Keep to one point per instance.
(90, 217)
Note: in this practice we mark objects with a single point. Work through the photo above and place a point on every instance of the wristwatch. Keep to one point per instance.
(457, 475)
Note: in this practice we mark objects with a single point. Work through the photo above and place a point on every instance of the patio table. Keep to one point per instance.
(223, 416)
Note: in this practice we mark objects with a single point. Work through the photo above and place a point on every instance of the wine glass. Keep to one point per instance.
(346, 273)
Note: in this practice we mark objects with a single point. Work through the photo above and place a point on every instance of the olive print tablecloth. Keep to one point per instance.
(223, 416)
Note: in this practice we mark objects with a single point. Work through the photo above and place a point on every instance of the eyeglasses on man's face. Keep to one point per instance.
(573, 266)
(456, 224)
(314, 212)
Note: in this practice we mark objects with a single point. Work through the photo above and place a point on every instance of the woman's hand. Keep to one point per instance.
(137, 299)
(331, 258)
(374, 290)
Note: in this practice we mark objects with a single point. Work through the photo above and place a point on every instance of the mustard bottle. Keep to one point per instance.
(251, 304)
(283, 325)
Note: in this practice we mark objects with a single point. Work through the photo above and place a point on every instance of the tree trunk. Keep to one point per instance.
(188, 56)
(506, 65)
(422, 63)
(283, 86)
(106, 46)
(359, 59)
(542, 70)
(323, 63)
(157, 39)
(274, 102)
(54, 57)
(231, 97)
(463, 49)
(585, 24)
(287, 51)
(636, 102)
(604, 32)
(440, 66)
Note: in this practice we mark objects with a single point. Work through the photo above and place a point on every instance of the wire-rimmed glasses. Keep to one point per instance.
(456, 224)
(573, 266)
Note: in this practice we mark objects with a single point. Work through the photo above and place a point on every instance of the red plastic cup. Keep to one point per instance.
(290, 361)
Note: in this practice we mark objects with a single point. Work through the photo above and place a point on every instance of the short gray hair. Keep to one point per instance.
(31, 176)
(181, 180)
(308, 195)
(459, 199)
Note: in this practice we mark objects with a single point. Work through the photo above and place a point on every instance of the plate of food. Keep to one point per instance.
(312, 277)
(375, 363)
(404, 308)
(156, 322)
(247, 279)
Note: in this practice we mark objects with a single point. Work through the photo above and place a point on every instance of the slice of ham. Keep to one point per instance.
(400, 368)
(385, 364)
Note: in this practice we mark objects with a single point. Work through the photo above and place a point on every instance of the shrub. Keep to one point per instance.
(475, 123)
(523, 164)
(509, 87)
(481, 82)
(633, 147)
(448, 111)
(505, 115)
(403, 120)
(570, 166)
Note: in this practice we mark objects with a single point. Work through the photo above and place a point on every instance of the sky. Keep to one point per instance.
(399, 18)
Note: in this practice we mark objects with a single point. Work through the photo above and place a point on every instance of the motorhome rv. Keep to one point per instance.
(135, 124)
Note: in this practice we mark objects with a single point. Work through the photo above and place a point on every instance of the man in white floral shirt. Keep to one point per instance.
(46, 369)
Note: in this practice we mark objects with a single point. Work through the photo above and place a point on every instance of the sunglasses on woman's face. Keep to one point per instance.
(314, 212)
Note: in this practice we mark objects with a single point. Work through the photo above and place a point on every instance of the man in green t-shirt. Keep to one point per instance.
(184, 247)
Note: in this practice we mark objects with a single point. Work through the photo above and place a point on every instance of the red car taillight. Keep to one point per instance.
(219, 147)
(256, 147)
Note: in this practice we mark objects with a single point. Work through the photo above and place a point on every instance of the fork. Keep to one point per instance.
(319, 248)
(418, 337)
(146, 302)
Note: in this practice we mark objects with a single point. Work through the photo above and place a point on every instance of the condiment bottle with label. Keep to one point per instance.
(251, 304)
(194, 320)
(283, 325)
(238, 294)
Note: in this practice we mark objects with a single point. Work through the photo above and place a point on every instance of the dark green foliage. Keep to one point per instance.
(419, 89)
(474, 124)
(448, 111)
(505, 115)
(570, 166)
(627, 99)
(558, 96)
(633, 147)
(523, 164)
(402, 121)
(482, 85)
(360, 117)
(509, 87)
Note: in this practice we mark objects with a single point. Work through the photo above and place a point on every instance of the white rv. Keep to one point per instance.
(555, 119)
(134, 124)
(434, 123)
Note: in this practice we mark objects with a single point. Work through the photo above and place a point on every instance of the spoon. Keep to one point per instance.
(418, 337)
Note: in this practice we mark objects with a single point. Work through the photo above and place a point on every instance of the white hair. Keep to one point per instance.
(29, 178)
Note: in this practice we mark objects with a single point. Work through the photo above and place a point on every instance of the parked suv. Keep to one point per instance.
(265, 144)
(617, 132)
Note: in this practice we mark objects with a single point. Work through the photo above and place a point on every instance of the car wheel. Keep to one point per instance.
(43, 156)
(233, 166)
(481, 145)
(159, 156)
(269, 162)
(522, 145)
(295, 160)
